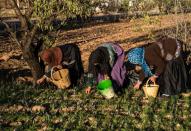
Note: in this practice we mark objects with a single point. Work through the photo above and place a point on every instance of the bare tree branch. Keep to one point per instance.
(29, 13)
(16, 8)
(32, 34)
(19, 14)
(30, 9)
(34, 30)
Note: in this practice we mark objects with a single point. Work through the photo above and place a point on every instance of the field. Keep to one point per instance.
(48, 108)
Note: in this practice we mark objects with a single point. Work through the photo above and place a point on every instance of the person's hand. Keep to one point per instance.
(138, 68)
(59, 67)
(137, 85)
(153, 78)
(88, 90)
(5, 58)
(80, 81)
(39, 81)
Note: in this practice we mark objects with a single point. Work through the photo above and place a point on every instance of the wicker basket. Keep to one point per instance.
(150, 90)
(60, 78)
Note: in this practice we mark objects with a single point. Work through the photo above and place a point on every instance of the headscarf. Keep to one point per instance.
(118, 71)
(136, 56)
(99, 62)
(107, 60)
(52, 56)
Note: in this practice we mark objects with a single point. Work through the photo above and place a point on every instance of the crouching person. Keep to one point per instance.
(63, 56)
(164, 56)
(106, 63)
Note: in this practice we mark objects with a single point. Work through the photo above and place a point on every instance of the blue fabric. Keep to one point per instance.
(136, 56)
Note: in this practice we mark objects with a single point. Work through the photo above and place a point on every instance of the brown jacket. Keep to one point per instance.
(157, 54)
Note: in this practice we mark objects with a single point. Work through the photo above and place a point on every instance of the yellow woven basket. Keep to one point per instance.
(60, 78)
(150, 90)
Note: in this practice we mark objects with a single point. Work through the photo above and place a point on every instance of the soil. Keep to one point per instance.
(128, 33)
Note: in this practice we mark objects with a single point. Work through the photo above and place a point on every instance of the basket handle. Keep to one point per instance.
(147, 83)
(52, 71)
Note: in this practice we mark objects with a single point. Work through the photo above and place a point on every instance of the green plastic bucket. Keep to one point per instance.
(106, 89)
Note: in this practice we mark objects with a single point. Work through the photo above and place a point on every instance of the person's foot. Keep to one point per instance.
(165, 95)
(119, 93)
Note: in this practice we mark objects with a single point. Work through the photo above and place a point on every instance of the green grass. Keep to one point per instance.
(73, 109)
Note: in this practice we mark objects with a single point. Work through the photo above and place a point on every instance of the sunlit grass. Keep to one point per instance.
(48, 108)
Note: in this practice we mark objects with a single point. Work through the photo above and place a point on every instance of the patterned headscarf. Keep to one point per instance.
(136, 56)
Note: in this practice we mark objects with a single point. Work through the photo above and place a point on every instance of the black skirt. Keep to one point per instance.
(174, 79)
(71, 52)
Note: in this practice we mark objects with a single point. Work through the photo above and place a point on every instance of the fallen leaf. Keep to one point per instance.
(15, 123)
(38, 108)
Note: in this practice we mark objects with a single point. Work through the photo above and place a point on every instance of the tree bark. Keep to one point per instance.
(32, 61)
(28, 33)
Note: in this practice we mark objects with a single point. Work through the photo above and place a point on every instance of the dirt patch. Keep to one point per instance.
(127, 33)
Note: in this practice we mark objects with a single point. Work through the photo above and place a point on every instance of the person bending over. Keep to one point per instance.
(161, 60)
(106, 62)
(63, 56)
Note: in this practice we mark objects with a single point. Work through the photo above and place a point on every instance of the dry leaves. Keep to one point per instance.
(15, 123)
(38, 108)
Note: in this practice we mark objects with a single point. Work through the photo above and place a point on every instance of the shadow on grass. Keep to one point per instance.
(10, 75)
(21, 93)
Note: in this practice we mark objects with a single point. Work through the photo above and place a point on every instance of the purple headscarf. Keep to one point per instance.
(118, 71)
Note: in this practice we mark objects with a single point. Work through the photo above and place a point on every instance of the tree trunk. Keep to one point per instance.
(33, 64)
(28, 32)
(32, 61)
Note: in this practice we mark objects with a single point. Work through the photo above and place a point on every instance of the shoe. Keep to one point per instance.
(165, 95)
